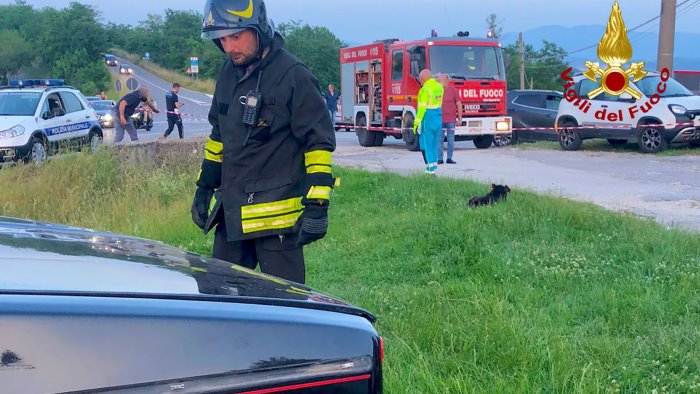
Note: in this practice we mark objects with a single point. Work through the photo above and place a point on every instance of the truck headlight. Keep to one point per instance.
(502, 125)
(12, 132)
(678, 109)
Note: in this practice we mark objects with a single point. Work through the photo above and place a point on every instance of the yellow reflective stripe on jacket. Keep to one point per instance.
(318, 161)
(319, 192)
(213, 150)
(316, 169)
(271, 208)
(270, 223)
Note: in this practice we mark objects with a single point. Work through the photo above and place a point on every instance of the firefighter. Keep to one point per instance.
(429, 118)
(267, 161)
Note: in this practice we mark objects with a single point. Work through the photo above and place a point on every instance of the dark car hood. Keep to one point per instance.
(46, 258)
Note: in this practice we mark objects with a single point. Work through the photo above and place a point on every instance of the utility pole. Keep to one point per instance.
(667, 32)
(521, 47)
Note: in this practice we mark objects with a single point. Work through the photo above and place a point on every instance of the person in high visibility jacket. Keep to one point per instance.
(266, 178)
(429, 118)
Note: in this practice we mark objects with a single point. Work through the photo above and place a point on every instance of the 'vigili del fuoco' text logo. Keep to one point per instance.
(615, 50)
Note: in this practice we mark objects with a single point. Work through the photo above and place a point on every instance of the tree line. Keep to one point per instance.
(69, 43)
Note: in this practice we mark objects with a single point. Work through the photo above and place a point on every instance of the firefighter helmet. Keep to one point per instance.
(225, 17)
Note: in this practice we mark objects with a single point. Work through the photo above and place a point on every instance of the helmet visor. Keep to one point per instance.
(215, 34)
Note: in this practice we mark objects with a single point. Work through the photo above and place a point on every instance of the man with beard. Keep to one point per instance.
(267, 161)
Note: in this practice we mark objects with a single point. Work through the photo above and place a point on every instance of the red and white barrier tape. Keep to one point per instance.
(669, 125)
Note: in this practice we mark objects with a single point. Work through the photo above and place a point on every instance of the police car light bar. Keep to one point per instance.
(21, 83)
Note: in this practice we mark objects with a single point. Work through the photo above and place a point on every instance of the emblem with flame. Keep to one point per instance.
(615, 50)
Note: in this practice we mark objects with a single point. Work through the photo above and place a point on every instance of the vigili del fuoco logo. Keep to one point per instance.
(615, 50)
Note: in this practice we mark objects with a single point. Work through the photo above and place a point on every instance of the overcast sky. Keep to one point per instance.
(359, 21)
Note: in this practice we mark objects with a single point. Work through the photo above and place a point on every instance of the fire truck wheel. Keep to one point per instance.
(483, 141)
(364, 136)
(411, 140)
(378, 137)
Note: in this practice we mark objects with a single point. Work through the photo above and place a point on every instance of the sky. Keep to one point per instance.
(361, 21)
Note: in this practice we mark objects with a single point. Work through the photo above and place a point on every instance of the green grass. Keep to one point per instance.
(198, 85)
(598, 145)
(535, 294)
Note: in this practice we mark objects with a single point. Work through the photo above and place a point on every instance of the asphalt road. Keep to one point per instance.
(194, 111)
(664, 188)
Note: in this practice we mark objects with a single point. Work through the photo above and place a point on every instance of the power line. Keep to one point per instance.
(695, 2)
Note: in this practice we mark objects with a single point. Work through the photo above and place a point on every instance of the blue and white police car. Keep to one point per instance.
(36, 116)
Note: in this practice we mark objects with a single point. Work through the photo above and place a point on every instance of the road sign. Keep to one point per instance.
(132, 84)
(147, 56)
(194, 65)
(118, 85)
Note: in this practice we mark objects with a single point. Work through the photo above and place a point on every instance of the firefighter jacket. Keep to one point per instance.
(266, 174)
(429, 98)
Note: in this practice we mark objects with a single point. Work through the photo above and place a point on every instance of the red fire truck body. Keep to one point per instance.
(379, 87)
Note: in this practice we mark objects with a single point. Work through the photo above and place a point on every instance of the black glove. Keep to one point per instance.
(314, 224)
(200, 206)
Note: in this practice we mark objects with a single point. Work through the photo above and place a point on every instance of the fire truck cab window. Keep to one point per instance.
(397, 65)
(418, 63)
(467, 62)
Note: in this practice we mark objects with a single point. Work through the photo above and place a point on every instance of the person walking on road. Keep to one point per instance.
(429, 119)
(126, 106)
(451, 116)
(332, 97)
(172, 106)
(266, 177)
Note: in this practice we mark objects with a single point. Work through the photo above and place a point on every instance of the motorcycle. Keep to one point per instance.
(143, 118)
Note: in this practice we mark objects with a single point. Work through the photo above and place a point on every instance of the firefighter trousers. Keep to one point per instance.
(430, 137)
(278, 255)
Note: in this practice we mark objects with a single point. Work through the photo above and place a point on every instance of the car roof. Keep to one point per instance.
(47, 258)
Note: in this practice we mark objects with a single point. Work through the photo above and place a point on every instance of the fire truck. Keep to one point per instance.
(379, 87)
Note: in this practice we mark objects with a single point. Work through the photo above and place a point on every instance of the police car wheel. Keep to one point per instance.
(95, 141)
(38, 154)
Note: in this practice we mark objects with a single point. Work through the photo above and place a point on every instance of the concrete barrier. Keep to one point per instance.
(161, 153)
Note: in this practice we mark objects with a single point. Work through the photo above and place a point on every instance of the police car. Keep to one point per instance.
(666, 113)
(38, 115)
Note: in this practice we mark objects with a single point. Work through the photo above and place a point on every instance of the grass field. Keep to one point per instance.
(535, 294)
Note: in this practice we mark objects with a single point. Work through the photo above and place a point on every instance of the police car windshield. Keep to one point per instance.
(18, 103)
(650, 84)
(467, 62)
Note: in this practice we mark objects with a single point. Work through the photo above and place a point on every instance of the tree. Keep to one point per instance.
(317, 47)
(15, 53)
(494, 25)
(542, 67)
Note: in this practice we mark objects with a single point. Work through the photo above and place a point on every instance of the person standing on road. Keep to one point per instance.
(451, 115)
(172, 106)
(267, 163)
(429, 118)
(332, 98)
(126, 106)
